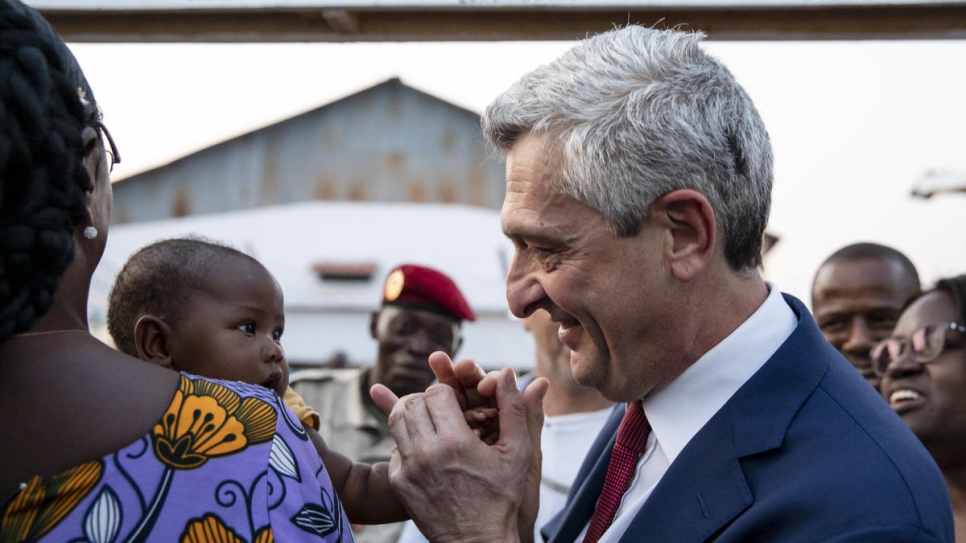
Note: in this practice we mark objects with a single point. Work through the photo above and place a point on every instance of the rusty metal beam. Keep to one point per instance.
(896, 21)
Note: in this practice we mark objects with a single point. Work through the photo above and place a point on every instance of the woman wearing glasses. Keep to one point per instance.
(923, 369)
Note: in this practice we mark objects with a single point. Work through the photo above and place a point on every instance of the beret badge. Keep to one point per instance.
(394, 285)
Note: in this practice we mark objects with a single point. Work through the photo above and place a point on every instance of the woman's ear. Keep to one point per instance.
(689, 220)
(92, 155)
(151, 341)
(92, 160)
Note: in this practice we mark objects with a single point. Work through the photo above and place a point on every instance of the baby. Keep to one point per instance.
(196, 306)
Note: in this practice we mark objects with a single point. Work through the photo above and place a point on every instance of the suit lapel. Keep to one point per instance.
(706, 487)
(703, 490)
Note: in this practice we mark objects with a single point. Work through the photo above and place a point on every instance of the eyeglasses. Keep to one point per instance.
(113, 156)
(924, 345)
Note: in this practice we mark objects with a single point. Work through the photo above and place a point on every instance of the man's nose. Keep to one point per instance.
(861, 337)
(523, 289)
(419, 342)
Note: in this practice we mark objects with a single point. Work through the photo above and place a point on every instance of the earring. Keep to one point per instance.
(90, 232)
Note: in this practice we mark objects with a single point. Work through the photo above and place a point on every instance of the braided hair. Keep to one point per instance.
(45, 103)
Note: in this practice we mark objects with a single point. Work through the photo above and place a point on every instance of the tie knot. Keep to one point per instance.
(634, 428)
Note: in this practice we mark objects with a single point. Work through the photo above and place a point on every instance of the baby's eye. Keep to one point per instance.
(277, 334)
(248, 327)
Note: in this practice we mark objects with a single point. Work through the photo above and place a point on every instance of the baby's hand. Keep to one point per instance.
(485, 423)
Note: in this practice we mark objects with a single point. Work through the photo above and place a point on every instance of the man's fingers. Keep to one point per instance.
(469, 375)
(384, 398)
(487, 386)
(462, 376)
(442, 367)
(533, 400)
(400, 430)
(468, 372)
(513, 416)
(444, 411)
(420, 426)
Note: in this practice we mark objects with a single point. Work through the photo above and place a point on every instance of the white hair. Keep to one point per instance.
(637, 113)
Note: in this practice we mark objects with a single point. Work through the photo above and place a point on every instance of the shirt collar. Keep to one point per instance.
(678, 411)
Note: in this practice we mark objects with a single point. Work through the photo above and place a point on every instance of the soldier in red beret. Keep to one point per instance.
(422, 312)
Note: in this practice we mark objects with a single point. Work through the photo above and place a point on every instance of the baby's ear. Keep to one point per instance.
(151, 341)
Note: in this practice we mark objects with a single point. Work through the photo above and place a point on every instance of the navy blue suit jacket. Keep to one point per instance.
(805, 451)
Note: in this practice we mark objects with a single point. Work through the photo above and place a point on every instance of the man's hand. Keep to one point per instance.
(456, 487)
(479, 412)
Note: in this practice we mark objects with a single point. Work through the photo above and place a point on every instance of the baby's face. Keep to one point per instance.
(232, 330)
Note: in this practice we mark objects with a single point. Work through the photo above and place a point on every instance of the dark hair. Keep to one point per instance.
(45, 104)
(159, 280)
(956, 286)
(874, 251)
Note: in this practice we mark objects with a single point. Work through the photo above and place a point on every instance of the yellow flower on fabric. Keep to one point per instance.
(210, 529)
(41, 505)
(265, 535)
(207, 420)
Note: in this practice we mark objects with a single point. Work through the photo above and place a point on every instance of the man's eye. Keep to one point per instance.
(883, 322)
(248, 328)
(832, 326)
(277, 334)
(444, 338)
(405, 328)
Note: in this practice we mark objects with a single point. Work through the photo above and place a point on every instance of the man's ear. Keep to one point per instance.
(374, 324)
(689, 221)
(457, 343)
(151, 341)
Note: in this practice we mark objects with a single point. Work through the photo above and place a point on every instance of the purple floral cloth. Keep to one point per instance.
(227, 463)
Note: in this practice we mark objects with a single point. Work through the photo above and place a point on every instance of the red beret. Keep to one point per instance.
(419, 286)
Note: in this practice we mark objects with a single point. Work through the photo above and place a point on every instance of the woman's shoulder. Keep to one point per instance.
(225, 457)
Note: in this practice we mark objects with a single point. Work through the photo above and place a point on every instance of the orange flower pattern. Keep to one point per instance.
(227, 463)
(207, 420)
(41, 504)
(210, 529)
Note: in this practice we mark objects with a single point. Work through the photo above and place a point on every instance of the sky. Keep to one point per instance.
(855, 125)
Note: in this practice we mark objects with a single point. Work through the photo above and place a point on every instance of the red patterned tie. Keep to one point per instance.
(631, 438)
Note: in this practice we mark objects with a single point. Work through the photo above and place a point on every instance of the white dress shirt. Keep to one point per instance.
(678, 411)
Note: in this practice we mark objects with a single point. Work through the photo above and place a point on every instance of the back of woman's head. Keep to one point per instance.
(45, 103)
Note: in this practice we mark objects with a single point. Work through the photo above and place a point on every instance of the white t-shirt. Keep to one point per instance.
(565, 440)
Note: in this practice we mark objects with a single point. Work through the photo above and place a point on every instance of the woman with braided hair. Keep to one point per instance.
(94, 445)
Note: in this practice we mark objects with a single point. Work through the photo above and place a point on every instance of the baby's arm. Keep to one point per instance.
(363, 488)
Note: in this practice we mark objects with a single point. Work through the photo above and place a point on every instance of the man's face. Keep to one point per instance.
(406, 339)
(610, 295)
(856, 304)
